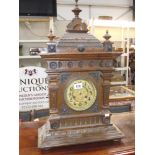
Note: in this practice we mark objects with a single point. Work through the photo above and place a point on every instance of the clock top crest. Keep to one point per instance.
(79, 75)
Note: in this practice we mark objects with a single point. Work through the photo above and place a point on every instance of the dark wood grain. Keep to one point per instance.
(125, 121)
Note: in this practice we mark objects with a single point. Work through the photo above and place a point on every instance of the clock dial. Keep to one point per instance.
(80, 95)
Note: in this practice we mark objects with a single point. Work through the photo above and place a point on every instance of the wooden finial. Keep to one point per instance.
(51, 36)
(107, 44)
(76, 10)
(76, 1)
(76, 25)
(107, 36)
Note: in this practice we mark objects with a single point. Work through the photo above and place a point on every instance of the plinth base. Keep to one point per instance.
(55, 138)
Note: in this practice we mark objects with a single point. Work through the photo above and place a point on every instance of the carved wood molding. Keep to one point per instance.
(72, 56)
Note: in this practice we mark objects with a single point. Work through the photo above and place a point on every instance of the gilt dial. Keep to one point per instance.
(80, 95)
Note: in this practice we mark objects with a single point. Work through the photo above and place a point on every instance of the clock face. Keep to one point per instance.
(80, 95)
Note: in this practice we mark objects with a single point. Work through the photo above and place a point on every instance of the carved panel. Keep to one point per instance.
(64, 77)
(91, 63)
(53, 99)
(95, 75)
(53, 91)
(70, 64)
(80, 64)
(75, 122)
(106, 89)
(94, 108)
(55, 124)
(53, 65)
(63, 65)
(60, 64)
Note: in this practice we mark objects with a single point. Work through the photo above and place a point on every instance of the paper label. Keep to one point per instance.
(33, 88)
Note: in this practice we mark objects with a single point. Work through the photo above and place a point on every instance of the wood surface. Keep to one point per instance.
(74, 54)
(124, 121)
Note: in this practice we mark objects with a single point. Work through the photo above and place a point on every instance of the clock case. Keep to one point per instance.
(64, 125)
(79, 55)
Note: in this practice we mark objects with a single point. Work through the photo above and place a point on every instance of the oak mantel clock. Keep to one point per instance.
(79, 74)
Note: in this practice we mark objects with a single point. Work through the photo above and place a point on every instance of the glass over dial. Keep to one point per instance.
(80, 95)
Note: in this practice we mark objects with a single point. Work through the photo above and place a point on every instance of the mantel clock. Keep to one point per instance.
(79, 75)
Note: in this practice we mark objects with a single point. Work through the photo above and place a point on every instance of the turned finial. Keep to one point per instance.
(76, 25)
(51, 36)
(76, 10)
(107, 36)
(107, 44)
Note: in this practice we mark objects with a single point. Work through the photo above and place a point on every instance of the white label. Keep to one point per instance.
(107, 115)
(33, 88)
(78, 86)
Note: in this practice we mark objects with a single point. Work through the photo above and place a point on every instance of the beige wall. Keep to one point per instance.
(40, 30)
(115, 32)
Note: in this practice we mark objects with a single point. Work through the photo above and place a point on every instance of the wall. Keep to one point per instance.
(89, 12)
(29, 30)
(40, 30)
(119, 10)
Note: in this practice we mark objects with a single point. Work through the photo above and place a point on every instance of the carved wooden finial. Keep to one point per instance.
(76, 25)
(51, 36)
(76, 10)
(107, 44)
(107, 36)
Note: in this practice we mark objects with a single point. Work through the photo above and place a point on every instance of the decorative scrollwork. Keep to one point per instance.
(91, 63)
(55, 125)
(106, 94)
(93, 108)
(64, 77)
(108, 63)
(70, 64)
(101, 64)
(65, 110)
(59, 64)
(95, 75)
(80, 64)
(53, 65)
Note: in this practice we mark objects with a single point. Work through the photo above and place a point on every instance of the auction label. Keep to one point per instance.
(33, 88)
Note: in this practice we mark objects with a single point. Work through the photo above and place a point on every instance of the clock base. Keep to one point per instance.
(54, 138)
